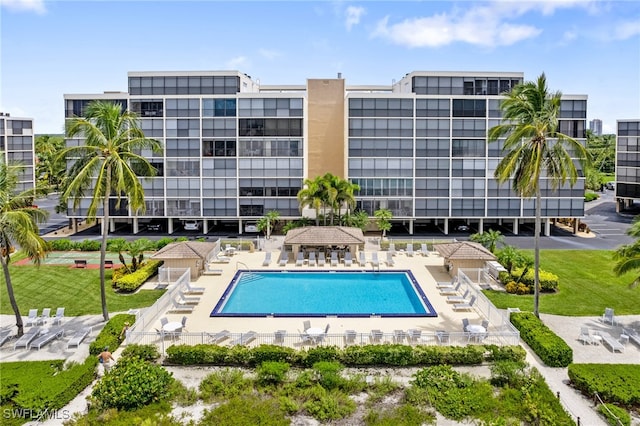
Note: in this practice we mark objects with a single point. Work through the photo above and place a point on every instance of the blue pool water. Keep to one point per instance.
(305, 293)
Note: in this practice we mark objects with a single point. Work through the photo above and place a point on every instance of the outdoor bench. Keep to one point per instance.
(80, 263)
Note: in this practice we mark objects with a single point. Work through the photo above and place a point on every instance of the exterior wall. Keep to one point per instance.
(195, 265)
(464, 264)
(627, 161)
(17, 146)
(235, 150)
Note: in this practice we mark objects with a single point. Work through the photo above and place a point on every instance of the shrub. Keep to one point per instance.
(551, 349)
(110, 334)
(403, 415)
(63, 244)
(144, 352)
(272, 372)
(590, 196)
(321, 353)
(224, 384)
(131, 282)
(87, 245)
(264, 353)
(614, 383)
(132, 383)
(511, 373)
(328, 374)
(332, 405)
(548, 281)
(614, 415)
(246, 411)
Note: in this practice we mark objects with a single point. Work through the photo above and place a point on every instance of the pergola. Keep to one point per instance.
(325, 239)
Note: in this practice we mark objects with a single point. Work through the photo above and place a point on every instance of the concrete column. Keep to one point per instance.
(481, 226)
(170, 226)
(205, 226)
(135, 225)
(240, 226)
(547, 227)
(411, 227)
(112, 225)
(515, 226)
(446, 227)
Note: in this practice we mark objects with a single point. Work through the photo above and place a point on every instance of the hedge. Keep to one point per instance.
(131, 282)
(551, 349)
(548, 280)
(110, 334)
(367, 355)
(614, 383)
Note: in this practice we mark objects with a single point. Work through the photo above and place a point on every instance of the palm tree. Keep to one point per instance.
(489, 239)
(50, 170)
(119, 245)
(136, 250)
(312, 195)
(111, 166)
(383, 220)
(534, 147)
(18, 225)
(628, 259)
(267, 223)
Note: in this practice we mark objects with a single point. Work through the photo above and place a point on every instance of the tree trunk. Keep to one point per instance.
(103, 246)
(536, 256)
(12, 299)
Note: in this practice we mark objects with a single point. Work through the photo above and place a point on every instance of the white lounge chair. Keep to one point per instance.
(312, 258)
(221, 259)
(362, 258)
(78, 337)
(608, 317)
(192, 290)
(267, 259)
(179, 306)
(392, 249)
(615, 345)
(321, 259)
(450, 291)
(374, 260)
(25, 340)
(300, 259)
(5, 334)
(245, 338)
(32, 319)
(334, 258)
(46, 338)
(390, 261)
(219, 336)
(424, 250)
(410, 249)
(187, 300)
(459, 299)
(284, 258)
(585, 336)
(44, 317)
(447, 284)
(467, 306)
(634, 336)
(58, 318)
(348, 260)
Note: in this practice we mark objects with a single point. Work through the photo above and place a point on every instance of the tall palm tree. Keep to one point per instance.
(111, 166)
(534, 147)
(383, 220)
(312, 194)
(18, 225)
(489, 239)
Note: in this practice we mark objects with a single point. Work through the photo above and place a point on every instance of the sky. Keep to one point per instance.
(52, 48)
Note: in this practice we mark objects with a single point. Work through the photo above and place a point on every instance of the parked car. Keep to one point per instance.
(611, 185)
(154, 227)
(191, 225)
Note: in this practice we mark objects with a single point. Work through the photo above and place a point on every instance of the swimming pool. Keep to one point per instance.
(329, 293)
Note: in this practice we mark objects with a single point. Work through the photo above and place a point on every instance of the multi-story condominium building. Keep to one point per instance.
(17, 147)
(235, 149)
(595, 126)
(627, 163)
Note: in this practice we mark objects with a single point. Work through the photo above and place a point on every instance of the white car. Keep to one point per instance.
(191, 225)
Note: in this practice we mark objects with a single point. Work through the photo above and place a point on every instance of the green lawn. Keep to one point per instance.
(77, 290)
(587, 285)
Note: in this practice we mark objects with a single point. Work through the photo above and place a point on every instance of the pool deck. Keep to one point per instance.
(428, 270)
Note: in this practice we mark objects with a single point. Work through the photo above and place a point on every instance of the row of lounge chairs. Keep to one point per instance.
(34, 319)
(38, 337)
(452, 292)
(185, 300)
(409, 251)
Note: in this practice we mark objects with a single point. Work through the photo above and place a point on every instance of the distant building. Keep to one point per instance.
(627, 163)
(235, 149)
(17, 147)
(595, 126)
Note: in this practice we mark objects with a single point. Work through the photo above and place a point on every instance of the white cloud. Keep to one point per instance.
(353, 15)
(237, 62)
(36, 6)
(269, 54)
(625, 30)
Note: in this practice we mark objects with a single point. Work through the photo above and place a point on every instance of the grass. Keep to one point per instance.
(587, 285)
(77, 290)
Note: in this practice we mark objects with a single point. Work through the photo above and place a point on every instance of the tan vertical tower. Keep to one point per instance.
(326, 127)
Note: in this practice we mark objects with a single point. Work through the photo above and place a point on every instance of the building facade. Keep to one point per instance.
(627, 163)
(235, 150)
(595, 126)
(17, 147)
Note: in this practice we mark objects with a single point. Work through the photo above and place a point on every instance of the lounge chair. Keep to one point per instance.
(615, 345)
(585, 337)
(44, 317)
(424, 250)
(312, 258)
(321, 259)
(376, 336)
(187, 300)
(362, 258)
(245, 338)
(390, 261)
(459, 299)
(374, 260)
(46, 338)
(334, 258)
(300, 259)
(447, 284)
(450, 291)
(25, 340)
(5, 335)
(284, 258)
(409, 251)
(634, 336)
(219, 336)
(221, 259)
(350, 337)
(58, 318)
(267, 259)
(467, 306)
(32, 319)
(348, 260)
(179, 306)
(78, 337)
(608, 317)
(392, 249)
(229, 250)
(192, 290)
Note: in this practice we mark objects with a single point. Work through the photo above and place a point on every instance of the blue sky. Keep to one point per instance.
(49, 48)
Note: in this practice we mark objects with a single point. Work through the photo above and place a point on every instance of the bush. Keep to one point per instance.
(590, 196)
(87, 245)
(224, 384)
(328, 374)
(246, 411)
(326, 405)
(403, 415)
(551, 349)
(614, 383)
(272, 372)
(144, 352)
(63, 244)
(109, 337)
(131, 282)
(614, 415)
(548, 281)
(264, 353)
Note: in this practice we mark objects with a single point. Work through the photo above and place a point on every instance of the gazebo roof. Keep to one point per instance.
(324, 236)
(185, 250)
(464, 250)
